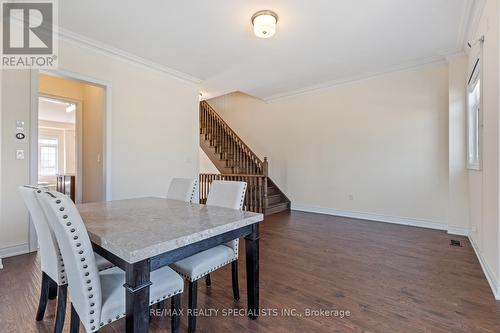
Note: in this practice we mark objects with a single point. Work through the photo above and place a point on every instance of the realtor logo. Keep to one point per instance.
(28, 34)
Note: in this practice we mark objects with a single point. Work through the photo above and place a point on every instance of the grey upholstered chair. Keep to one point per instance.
(227, 194)
(183, 189)
(98, 298)
(54, 282)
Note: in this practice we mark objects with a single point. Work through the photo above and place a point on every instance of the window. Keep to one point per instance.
(48, 157)
(474, 119)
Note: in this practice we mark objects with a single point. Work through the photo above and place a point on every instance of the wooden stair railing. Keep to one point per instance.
(255, 198)
(227, 143)
(237, 162)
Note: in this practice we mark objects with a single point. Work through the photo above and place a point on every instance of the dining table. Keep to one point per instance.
(141, 235)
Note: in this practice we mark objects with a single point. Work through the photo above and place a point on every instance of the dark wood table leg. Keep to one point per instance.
(252, 261)
(137, 296)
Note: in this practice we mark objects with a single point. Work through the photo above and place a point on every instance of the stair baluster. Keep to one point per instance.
(217, 137)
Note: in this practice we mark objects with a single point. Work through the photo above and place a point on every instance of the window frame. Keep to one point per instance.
(57, 146)
(475, 81)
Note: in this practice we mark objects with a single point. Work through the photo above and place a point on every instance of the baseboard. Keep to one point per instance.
(15, 250)
(490, 276)
(458, 231)
(373, 217)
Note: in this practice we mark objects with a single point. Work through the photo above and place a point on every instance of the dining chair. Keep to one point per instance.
(183, 189)
(229, 194)
(98, 298)
(54, 281)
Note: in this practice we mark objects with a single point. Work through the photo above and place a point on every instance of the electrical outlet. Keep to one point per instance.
(351, 197)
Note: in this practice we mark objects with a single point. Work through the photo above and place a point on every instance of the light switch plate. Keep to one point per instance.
(20, 154)
(20, 125)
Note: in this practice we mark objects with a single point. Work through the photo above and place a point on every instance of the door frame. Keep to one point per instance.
(33, 144)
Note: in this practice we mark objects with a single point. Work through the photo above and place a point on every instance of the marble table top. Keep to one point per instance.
(137, 229)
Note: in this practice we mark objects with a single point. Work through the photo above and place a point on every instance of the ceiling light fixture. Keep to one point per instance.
(264, 23)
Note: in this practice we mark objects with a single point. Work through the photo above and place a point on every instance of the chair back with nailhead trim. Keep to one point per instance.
(228, 194)
(183, 189)
(50, 256)
(83, 276)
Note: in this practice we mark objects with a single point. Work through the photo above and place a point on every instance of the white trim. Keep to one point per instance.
(471, 15)
(1, 264)
(461, 231)
(422, 63)
(488, 272)
(69, 36)
(79, 152)
(15, 250)
(456, 55)
(373, 217)
(108, 125)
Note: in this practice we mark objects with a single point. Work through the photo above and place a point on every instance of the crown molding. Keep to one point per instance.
(469, 22)
(71, 37)
(422, 63)
(456, 55)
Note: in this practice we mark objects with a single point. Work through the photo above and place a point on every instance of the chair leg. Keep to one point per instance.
(52, 289)
(75, 321)
(236, 288)
(61, 308)
(175, 313)
(193, 295)
(44, 297)
(208, 280)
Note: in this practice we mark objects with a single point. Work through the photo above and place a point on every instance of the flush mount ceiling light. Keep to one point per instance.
(264, 23)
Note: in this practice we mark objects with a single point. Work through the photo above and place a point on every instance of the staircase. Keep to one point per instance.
(236, 161)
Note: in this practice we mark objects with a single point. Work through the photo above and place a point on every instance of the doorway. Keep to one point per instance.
(59, 140)
(85, 152)
(77, 108)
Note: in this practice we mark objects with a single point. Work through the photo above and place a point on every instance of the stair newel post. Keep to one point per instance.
(265, 173)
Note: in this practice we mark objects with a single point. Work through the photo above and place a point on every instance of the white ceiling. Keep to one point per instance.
(54, 111)
(318, 42)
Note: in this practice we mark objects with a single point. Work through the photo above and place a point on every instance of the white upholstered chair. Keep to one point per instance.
(54, 282)
(183, 189)
(98, 298)
(227, 194)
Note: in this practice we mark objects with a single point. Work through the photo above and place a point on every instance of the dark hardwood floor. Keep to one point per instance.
(390, 278)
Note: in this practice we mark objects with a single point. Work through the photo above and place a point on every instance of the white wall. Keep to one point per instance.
(206, 166)
(458, 201)
(14, 218)
(484, 184)
(154, 132)
(377, 146)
